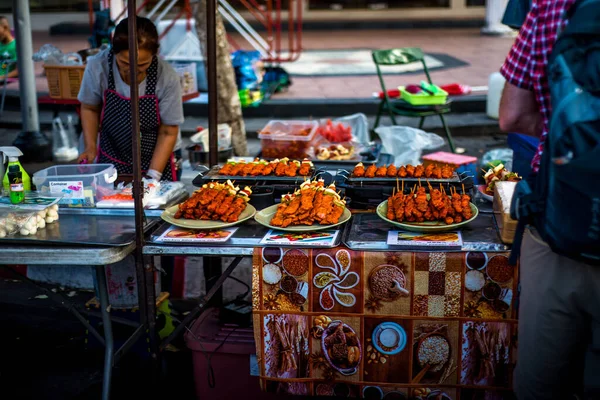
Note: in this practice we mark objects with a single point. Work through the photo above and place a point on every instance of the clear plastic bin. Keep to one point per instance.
(79, 185)
(292, 139)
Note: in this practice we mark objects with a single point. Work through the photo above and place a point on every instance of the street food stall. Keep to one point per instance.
(370, 278)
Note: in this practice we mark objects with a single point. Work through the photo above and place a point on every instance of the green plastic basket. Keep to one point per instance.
(424, 98)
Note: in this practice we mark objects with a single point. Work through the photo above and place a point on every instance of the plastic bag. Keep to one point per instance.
(504, 155)
(359, 124)
(247, 67)
(406, 144)
(224, 137)
(48, 52)
(26, 223)
(64, 147)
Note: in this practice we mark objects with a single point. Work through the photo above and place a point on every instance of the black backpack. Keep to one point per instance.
(563, 200)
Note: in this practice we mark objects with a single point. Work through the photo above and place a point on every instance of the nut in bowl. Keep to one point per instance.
(342, 349)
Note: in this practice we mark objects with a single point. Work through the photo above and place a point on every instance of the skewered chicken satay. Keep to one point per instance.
(421, 200)
(456, 203)
(217, 201)
(447, 172)
(391, 207)
(227, 168)
(239, 204)
(237, 168)
(419, 171)
(359, 170)
(392, 171)
(269, 168)
(281, 166)
(465, 203)
(210, 194)
(307, 196)
(305, 168)
(258, 169)
(436, 173)
(429, 170)
(248, 168)
(399, 206)
(280, 214)
(329, 196)
(338, 209)
(410, 171)
(225, 205)
(292, 168)
(381, 171)
(402, 173)
(294, 206)
(370, 172)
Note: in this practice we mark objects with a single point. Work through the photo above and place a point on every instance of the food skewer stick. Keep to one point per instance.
(397, 184)
(463, 188)
(402, 186)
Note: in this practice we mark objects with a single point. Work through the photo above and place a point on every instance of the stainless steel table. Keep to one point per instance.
(85, 237)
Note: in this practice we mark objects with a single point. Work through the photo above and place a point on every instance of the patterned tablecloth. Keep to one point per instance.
(385, 325)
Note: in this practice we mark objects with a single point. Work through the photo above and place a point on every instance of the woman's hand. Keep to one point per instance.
(88, 156)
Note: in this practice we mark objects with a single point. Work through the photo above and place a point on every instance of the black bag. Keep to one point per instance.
(563, 200)
(516, 13)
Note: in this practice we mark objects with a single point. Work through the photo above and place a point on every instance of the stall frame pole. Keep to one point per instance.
(211, 75)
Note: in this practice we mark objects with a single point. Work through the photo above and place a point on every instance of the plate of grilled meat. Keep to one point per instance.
(213, 206)
(312, 207)
(436, 211)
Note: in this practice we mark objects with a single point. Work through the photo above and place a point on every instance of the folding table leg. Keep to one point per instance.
(108, 333)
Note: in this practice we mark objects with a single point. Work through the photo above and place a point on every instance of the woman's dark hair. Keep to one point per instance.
(146, 33)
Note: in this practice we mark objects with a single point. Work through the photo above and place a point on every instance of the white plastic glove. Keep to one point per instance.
(154, 174)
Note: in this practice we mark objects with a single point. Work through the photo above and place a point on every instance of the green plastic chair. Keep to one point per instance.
(395, 107)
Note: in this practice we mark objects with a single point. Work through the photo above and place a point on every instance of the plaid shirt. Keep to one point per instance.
(527, 61)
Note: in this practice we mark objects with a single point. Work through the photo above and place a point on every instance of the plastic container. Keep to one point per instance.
(461, 163)
(80, 185)
(292, 139)
(230, 364)
(424, 98)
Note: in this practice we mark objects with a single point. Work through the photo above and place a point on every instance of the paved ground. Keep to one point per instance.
(484, 54)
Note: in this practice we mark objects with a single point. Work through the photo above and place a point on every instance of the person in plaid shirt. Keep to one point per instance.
(559, 308)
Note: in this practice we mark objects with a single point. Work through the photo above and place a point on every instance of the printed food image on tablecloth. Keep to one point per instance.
(285, 279)
(336, 281)
(435, 352)
(336, 348)
(387, 283)
(286, 346)
(337, 389)
(288, 388)
(387, 350)
(486, 350)
(385, 392)
(438, 284)
(437, 393)
(489, 284)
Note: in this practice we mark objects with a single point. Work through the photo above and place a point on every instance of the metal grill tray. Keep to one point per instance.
(213, 175)
(379, 180)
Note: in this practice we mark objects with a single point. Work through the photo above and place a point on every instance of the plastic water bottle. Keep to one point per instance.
(495, 88)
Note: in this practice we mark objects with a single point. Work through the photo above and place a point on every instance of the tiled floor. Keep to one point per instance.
(483, 53)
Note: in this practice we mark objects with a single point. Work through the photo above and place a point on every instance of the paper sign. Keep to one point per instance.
(182, 235)
(422, 240)
(312, 239)
(67, 189)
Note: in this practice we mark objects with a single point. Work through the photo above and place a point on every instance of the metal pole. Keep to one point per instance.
(34, 145)
(108, 333)
(211, 74)
(138, 190)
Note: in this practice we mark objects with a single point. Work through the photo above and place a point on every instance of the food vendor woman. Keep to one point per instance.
(106, 109)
